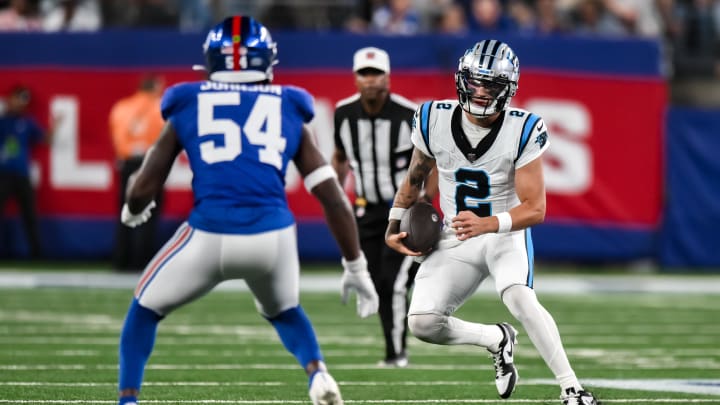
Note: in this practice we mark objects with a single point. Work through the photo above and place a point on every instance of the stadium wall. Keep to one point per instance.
(604, 100)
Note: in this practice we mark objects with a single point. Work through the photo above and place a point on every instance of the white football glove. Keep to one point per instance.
(356, 277)
(133, 220)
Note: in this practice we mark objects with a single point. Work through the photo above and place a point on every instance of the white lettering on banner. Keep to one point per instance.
(322, 129)
(568, 164)
(571, 169)
(66, 169)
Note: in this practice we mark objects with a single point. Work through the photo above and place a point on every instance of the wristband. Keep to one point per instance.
(356, 265)
(396, 213)
(504, 222)
(317, 176)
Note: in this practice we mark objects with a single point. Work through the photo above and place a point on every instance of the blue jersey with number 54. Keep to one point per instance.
(239, 139)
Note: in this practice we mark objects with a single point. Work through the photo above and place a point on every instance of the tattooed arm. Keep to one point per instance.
(409, 191)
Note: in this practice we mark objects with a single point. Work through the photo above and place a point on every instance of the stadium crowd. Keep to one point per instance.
(646, 18)
(689, 29)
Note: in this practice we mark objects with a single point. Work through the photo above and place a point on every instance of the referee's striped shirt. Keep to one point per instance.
(378, 148)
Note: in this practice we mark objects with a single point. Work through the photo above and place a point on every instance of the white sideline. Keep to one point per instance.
(555, 283)
(633, 401)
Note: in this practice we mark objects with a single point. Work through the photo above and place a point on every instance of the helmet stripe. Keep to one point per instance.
(483, 52)
(236, 26)
(494, 56)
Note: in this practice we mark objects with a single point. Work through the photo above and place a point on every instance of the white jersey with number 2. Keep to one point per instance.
(481, 178)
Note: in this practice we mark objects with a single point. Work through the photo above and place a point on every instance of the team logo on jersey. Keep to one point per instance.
(541, 139)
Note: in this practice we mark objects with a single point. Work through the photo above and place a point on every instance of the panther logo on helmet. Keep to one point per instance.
(240, 50)
(490, 64)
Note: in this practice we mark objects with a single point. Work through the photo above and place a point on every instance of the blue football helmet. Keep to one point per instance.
(490, 64)
(240, 50)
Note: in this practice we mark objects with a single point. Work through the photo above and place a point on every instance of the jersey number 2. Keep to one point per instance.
(473, 186)
(262, 128)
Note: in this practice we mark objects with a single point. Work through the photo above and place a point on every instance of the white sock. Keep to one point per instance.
(462, 332)
(542, 331)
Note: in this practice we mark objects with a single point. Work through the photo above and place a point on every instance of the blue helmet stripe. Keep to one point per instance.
(493, 53)
(483, 53)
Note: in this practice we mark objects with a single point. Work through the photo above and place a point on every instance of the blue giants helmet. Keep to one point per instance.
(241, 50)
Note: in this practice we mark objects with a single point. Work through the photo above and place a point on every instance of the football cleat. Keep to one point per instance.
(324, 390)
(571, 397)
(401, 361)
(506, 374)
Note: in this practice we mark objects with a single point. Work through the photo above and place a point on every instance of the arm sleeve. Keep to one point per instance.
(168, 104)
(303, 101)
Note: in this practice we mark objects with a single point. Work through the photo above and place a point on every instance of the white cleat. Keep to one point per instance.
(506, 374)
(401, 361)
(324, 390)
(570, 397)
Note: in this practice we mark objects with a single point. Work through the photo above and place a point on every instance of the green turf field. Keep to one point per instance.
(59, 346)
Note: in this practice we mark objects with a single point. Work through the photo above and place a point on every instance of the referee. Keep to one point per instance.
(372, 138)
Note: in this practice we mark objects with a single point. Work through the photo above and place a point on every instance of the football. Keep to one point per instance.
(422, 223)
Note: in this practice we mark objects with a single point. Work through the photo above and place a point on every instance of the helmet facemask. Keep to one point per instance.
(493, 66)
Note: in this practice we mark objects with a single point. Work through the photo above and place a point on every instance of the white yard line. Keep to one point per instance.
(645, 365)
(383, 401)
(697, 387)
(546, 283)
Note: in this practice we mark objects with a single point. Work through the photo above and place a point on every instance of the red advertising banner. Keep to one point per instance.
(604, 164)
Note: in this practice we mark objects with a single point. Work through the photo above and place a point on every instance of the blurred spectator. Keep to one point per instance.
(452, 20)
(280, 15)
(697, 48)
(71, 15)
(397, 17)
(550, 20)
(697, 53)
(116, 13)
(359, 22)
(592, 18)
(488, 15)
(196, 15)
(641, 17)
(19, 132)
(522, 13)
(135, 123)
(21, 15)
(157, 13)
(200, 15)
(141, 13)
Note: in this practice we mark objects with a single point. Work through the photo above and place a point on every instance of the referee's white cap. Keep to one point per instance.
(371, 57)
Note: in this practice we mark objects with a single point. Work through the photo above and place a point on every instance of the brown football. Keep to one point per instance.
(422, 223)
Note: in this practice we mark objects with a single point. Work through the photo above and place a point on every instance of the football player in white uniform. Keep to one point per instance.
(489, 161)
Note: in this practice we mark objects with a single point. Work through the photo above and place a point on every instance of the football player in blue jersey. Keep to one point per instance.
(239, 132)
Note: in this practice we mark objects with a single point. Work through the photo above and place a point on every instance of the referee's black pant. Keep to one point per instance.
(391, 272)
